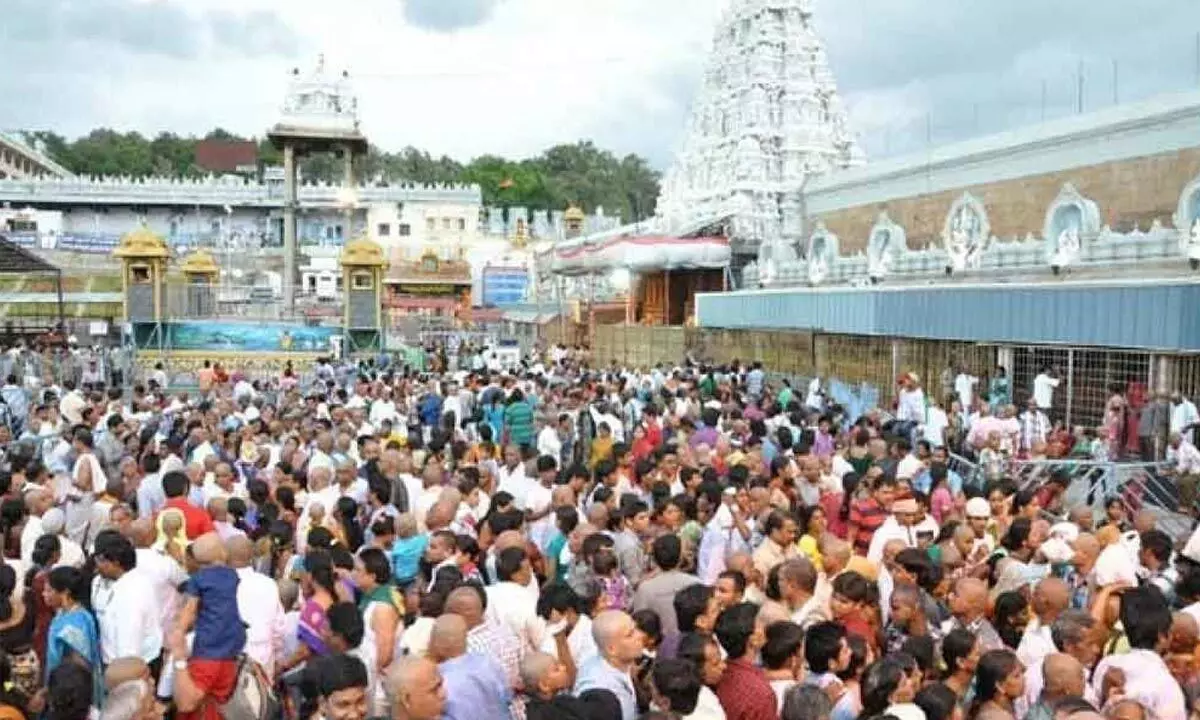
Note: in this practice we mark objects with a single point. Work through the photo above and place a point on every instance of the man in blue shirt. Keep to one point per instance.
(476, 686)
(620, 647)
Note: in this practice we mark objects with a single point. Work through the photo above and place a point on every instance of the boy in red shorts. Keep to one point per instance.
(206, 680)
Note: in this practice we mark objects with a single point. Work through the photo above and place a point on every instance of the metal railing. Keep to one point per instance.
(1139, 486)
(243, 302)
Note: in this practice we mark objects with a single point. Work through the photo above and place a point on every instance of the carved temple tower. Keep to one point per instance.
(767, 117)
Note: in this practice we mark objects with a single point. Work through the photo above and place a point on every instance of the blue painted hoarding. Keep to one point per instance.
(248, 337)
(505, 286)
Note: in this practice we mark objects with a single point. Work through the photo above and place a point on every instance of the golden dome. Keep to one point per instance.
(200, 262)
(363, 252)
(142, 243)
(574, 214)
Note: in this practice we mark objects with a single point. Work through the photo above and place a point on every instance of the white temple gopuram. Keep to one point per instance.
(767, 117)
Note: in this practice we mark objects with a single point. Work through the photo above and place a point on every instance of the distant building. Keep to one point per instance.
(227, 157)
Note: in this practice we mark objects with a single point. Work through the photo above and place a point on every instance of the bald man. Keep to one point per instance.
(1063, 677)
(620, 646)
(1126, 709)
(969, 604)
(259, 605)
(476, 686)
(164, 573)
(543, 677)
(744, 563)
(1050, 598)
(1075, 634)
(1087, 550)
(490, 638)
(415, 689)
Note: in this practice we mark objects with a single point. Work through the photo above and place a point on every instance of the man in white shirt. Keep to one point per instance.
(539, 505)
(223, 486)
(936, 422)
(813, 398)
(159, 376)
(903, 525)
(72, 404)
(1043, 389)
(201, 448)
(37, 502)
(1183, 416)
(259, 605)
(911, 404)
(321, 453)
(509, 602)
(382, 409)
(1184, 461)
(54, 522)
(164, 574)
(511, 477)
(964, 387)
(1051, 598)
(909, 465)
(131, 625)
(1148, 681)
(548, 440)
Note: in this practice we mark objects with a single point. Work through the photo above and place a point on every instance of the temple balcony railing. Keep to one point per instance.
(218, 191)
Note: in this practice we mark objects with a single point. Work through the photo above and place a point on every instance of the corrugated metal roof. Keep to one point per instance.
(1155, 316)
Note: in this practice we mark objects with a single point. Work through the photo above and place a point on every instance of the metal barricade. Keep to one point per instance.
(1139, 486)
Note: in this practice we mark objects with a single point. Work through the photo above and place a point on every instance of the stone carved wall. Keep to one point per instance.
(1130, 193)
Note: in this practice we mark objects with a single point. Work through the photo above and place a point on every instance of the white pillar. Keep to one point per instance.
(1162, 373)
(1005, 358)
(289, 226)
(348, 181)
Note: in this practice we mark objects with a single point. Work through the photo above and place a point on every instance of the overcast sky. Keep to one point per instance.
(512, 77)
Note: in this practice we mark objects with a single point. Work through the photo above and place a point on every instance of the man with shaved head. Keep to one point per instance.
(620, 646)
(743, 562)
(164, 573)
(415, 689)
(487, 637)
(1086, 552)
(1050, 598)
(475, 683)
(1062, 678)
(259, 605)
(969, 605)
(1075, 634)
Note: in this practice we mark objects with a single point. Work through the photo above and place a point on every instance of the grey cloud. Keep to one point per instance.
(167, 28)
(938, 71)
(256, 33)
(978, 68)
(448, 15)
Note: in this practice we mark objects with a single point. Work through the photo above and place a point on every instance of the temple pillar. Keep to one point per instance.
(348, 183)
(290, 202)
(1164, 373)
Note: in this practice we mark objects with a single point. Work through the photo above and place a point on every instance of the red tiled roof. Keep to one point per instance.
(226, 156)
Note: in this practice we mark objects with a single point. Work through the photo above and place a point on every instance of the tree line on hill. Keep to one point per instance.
(580, 173)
